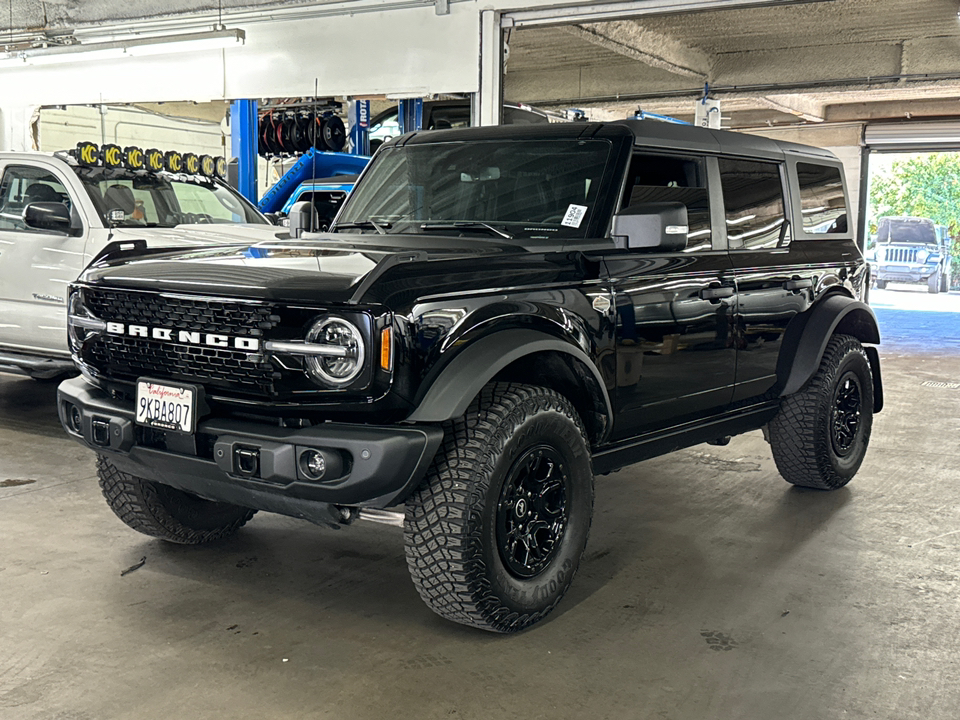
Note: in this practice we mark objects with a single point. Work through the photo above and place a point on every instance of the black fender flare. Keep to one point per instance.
(807, 336)
(461, 380)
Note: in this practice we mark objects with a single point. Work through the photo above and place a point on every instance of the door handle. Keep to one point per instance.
(798, 284)
(716, 293)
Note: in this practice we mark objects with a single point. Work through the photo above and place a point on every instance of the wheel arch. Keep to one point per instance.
(519, 355)
(807, 336)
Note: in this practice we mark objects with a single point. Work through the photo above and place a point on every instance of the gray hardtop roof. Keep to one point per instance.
(646, 133)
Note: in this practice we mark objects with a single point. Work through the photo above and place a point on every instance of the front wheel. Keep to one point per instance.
(881, 284)
(496, 531)
(933, 283)
(164, 512)
(820, 436)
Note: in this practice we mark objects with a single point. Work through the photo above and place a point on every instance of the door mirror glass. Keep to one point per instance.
(53, 216)
(652, 226)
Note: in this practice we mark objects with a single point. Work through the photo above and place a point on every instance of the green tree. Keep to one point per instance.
(922, 186)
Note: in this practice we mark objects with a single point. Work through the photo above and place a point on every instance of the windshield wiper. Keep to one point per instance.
(380, 227)
(468, 225)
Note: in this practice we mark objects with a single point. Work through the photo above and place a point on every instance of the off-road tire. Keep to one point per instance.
(933, 283)
(451, 530)
(945, 282)
(881, 284)
(165, 512)
(801, 434)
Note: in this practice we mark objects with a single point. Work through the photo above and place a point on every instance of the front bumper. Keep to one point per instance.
(905, 274)
(252, 464)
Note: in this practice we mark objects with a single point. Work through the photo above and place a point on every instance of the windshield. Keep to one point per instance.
(125, 198)
(910, 232)
(540, 189)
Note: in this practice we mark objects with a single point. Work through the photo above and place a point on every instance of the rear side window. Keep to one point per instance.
(753, 204)
(822, 203)
(664, 178)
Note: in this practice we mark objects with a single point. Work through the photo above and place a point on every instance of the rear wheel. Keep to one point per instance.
(495, 533)
(820, 436)
(165, 512)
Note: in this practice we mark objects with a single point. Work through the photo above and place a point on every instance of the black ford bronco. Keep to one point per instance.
(496, 316)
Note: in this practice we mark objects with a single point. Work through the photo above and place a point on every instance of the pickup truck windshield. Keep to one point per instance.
(539, 189)
(129, 199)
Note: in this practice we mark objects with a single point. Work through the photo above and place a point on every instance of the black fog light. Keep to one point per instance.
(74, 419)
(313, 464)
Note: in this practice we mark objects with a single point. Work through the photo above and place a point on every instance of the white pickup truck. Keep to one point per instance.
(56, 215)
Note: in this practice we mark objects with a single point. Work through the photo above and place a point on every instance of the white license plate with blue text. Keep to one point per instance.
(166, 407)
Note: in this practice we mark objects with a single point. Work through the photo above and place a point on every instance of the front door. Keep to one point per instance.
(676, 358)
(36, 266)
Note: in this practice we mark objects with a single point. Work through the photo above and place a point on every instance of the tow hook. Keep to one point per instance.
(384, 517)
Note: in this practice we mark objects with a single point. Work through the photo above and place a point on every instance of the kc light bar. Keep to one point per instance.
(88, 154)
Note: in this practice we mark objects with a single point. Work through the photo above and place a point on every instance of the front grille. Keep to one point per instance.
(125, 358)
(900, 255)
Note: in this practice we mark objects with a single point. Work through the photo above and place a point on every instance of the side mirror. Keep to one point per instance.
(274, 217)
(651, 226)
(53, 216)
(302, 218)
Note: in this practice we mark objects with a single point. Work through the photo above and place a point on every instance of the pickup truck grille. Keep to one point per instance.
(120, 356)
(900, 255)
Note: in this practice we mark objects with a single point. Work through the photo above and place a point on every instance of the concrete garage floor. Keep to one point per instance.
(710, 589)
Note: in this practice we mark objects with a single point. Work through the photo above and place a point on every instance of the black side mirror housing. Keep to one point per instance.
(302, 218)
(651, 226)
(52, 216)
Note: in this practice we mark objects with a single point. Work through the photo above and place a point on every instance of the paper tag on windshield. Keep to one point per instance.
(574, 216)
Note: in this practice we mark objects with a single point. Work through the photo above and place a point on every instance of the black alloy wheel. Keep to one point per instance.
(845, 416)
(532, 512)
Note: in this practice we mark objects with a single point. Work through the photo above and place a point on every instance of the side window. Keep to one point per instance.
(664, 178)
(22, 185)
(123, 196)
(753, 204)
(821, 199)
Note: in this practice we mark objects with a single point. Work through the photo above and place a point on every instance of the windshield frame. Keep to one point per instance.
(252, 213)
(597, 227)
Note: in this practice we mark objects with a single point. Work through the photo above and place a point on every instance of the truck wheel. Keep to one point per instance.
(945, 282)
(495, 532)
(881, 284)
(820, 435)
(933, 283)
(165, 512)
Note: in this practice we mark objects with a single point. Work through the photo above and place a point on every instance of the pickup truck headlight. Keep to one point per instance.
(341, 367)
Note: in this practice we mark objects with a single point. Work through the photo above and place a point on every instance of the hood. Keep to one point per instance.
(205, 234)
(317, 270)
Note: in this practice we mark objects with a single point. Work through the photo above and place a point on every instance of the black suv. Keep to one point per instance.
(497, 315)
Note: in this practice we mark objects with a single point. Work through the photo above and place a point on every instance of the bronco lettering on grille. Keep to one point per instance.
(185, 337)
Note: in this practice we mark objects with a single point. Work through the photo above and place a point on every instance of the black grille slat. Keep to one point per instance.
(123, 357)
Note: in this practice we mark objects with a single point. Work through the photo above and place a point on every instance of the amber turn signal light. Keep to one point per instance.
(386, 349)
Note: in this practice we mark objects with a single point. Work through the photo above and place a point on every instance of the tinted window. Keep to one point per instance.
(22, 185)
(661, 178)
(753, 202)
(536, 189)
(821, 199)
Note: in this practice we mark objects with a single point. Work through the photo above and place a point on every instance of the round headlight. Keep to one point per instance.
(341, 368)
(922, 256)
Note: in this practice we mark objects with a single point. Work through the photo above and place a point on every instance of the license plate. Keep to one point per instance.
(166, 407)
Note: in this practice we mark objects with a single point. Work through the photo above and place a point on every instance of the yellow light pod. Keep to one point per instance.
(112, 156)
(220, 167)
(154, 160)
(133, 158)
(191, 163)
(88, 154)
(206, 165)
(173, 161)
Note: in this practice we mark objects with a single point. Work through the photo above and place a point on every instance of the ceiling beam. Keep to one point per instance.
(631, 39)
(803, 107)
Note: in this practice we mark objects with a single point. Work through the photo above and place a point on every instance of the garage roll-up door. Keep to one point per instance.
(919, 135)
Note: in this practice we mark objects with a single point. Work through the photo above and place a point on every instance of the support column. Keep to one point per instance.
(243, 146)
(490, 103)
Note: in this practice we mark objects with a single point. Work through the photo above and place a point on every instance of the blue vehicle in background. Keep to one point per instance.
(326, 194)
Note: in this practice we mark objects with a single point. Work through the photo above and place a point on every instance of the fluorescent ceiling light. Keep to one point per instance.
(218, 39)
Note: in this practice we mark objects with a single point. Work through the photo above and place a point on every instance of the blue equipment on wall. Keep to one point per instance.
(243, 145)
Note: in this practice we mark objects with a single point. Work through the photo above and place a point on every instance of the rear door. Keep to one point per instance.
(774, 281)
(36, 266)
(675, 311)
